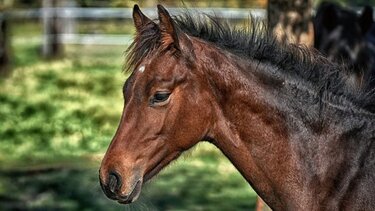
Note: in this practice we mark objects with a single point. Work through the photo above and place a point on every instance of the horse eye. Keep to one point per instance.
(160, 97)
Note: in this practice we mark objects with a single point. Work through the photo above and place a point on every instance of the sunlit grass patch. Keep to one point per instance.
(58, 108)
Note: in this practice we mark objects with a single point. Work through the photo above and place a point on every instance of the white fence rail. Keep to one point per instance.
(126, 13)
(95, 39)
(76, 13)
(69, 14)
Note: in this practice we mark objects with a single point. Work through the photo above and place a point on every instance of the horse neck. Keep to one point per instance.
(247, 126)
(253, 130)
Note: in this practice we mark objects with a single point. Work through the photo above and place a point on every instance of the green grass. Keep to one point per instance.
(68, 107)
(62, 114)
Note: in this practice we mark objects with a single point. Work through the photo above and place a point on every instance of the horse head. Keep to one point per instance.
(166, 110)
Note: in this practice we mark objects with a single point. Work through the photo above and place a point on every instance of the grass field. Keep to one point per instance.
(57, 119)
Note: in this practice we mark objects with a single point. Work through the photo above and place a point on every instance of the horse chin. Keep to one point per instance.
(154, 171)
(133, 196)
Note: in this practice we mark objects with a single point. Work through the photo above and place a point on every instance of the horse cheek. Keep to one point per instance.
(194, 119)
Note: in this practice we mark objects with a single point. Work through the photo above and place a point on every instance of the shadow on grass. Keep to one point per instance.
(179, 188)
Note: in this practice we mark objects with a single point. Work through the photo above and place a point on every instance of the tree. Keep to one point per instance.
(291, 20)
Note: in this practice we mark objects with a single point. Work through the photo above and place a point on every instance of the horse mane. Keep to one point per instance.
(256, 42)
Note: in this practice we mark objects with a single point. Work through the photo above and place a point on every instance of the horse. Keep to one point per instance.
(281, 113)
(343, 36)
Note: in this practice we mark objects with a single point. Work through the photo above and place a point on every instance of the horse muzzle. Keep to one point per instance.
(114, 188)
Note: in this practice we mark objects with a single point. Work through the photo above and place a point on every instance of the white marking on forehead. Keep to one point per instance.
(141, 69)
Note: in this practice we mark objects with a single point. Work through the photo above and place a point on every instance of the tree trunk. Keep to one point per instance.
(291, 20)
(4, 44)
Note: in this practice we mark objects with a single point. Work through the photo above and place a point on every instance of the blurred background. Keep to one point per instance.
(60, 102)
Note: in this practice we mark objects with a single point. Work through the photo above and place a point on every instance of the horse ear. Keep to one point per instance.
(140, 19)
(366, 19)
(167, 29)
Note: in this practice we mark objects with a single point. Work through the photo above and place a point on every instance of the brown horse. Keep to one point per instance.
(282, 115)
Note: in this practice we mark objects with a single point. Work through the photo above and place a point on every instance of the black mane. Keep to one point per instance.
(255, 42)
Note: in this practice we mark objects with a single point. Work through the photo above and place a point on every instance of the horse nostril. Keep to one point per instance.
(114, 182)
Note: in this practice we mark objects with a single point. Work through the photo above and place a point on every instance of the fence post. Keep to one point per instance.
(68, 23)
(52, 47)
(4, 44)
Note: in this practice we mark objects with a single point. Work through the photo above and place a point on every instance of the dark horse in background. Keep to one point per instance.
(346, 37)
(283, 115)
